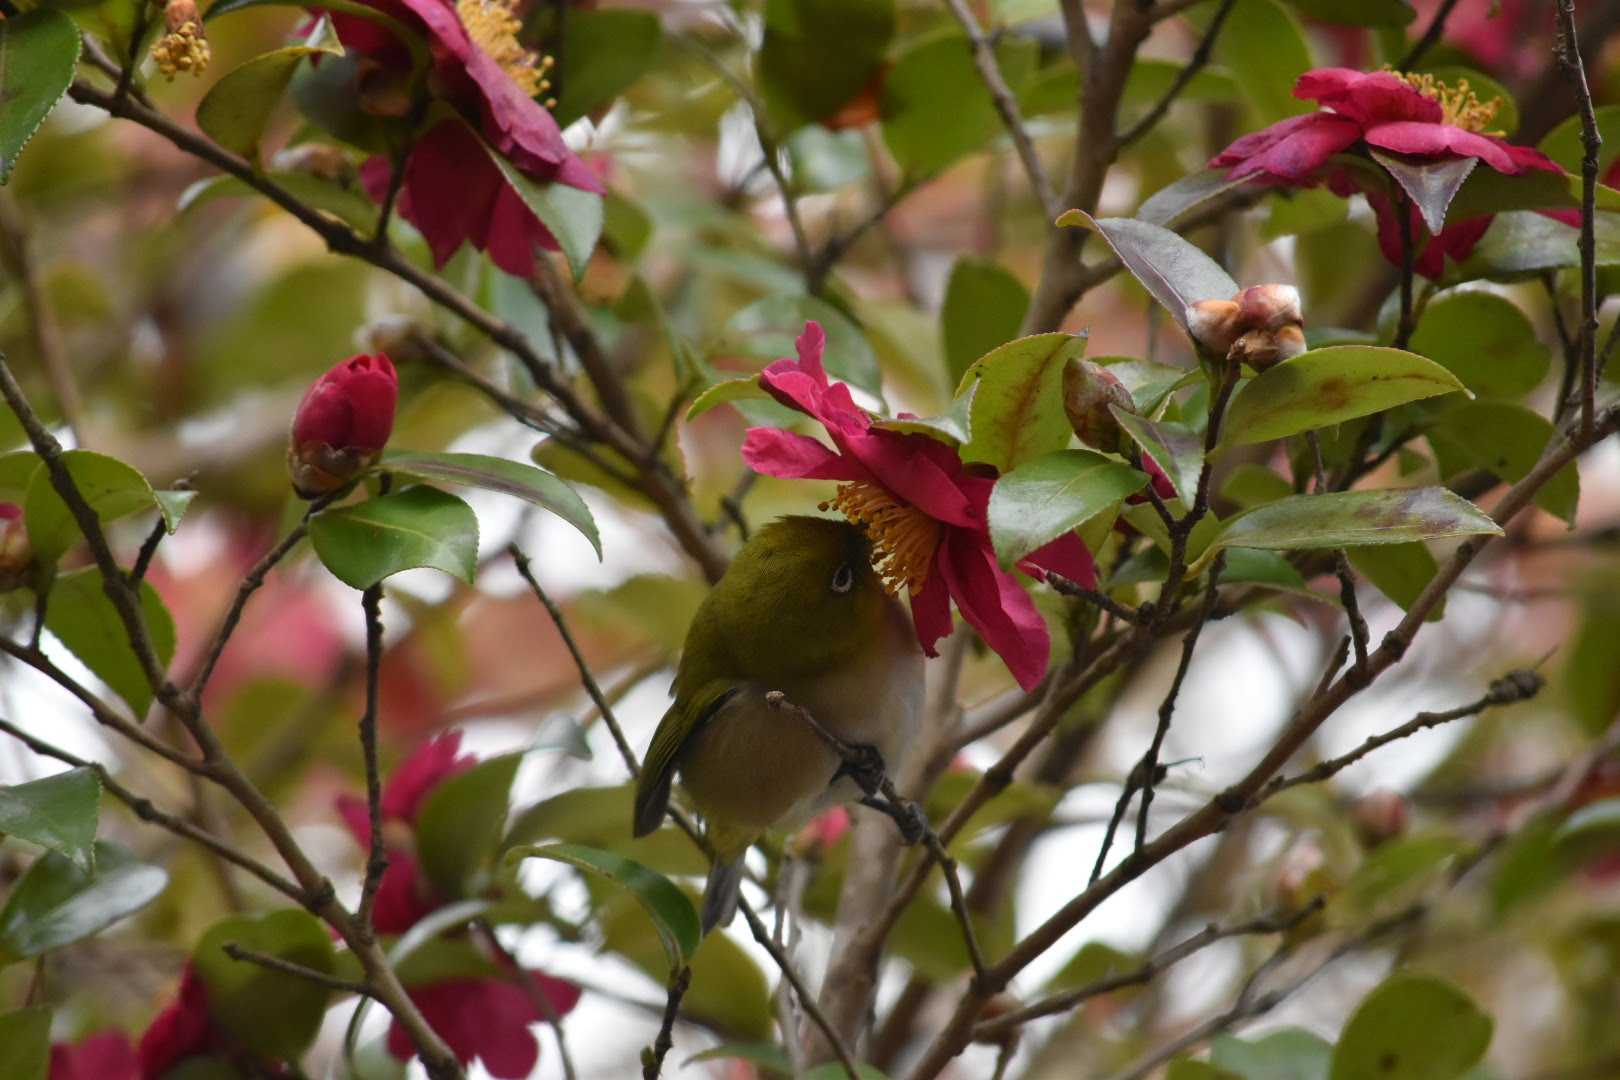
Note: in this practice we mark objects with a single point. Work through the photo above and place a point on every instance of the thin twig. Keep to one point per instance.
(377, 853)
(807, 1000)
(1200, 59)
(652, 1057)
(1574, 68)
(143, 559)
(1431, 37)
(1341, 566)
(1408, 323)
(1099, 599)
(286, 967)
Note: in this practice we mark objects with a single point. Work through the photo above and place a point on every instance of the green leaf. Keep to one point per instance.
(1355, 518)
(599, 817)
(1431, 184)
(1174, 202)
(1591, 830)
(347, 204)
(817, 54)
(108, 486)
(459, 825)
(573, 217)
(1176, 448)
(1356, 13)
(237, 109)
(1412, 1027)
(1189, 1069)
(728, 988)
(671, 912)
(1328, 386)
(984, 307)
(1563, 143)
(768, 328)
(1399, 571)
(937, 77)
(1042, 499)
(39, 51)
(1507, 441)
(953, 428)
(81, 616)
(56, 903)
(1520, 244)
(58, 813)
(1484, 340)
(1173, 271)
(420, 526)
(1591, 674)
(411, 38)
(1487, 191)
(240, 992)
(1250, 484)
(1149, 383)
(1289, 1054)
(724, 392)
(514, 478)
(1263, 47)
(1256, 567)
(1394, 876)
(173, 506)
(601, 54)
(25, 1043)
(1018, 406)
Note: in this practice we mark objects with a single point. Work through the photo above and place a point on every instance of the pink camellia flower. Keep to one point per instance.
(452, 190)
(342, 424)
(487, 1019)
(405, 896)
(1411, 115)
(15, 554)
(923, 509)
(106, 1055)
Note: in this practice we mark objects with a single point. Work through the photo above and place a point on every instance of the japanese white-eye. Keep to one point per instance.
(800, 611)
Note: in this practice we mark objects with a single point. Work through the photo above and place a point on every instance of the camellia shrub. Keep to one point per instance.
(1219, 391)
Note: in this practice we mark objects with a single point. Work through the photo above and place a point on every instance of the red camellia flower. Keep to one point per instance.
(487, 1019)
(342, 424)
(404, 896)
(1412, 115)
(452, 191)
(15, 554)
(923, 509)
(106, 1055)
(183, 1030)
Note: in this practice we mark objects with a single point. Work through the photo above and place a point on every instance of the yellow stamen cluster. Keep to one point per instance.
(182, 49)
(904, 538)
(1459, 105)
(493, 27)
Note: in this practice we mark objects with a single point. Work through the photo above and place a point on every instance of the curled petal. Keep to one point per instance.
(993, 602)
(434, 762)
(1290, 150)
(791, 456)
(931, 612)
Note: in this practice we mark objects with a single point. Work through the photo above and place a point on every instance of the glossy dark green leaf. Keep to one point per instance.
(1484, 340)
(108, 486)
(1355, 518)
(1522, 244)
(81, 616)
(1412, 1027)
(1257, 567)
(241, 993)
(25, 1043)
(952, 428)
(671, 912)
(39, 51)
(1018, 405)
(56, 903)
(1289, 1054)
(601, 54)
(514, 478)
(1487, 191)
(724, 392)
(1048, 496)
(817, 55)
(459, 825)
(1399, 571)
(58, 813)
(984, 307)
(1356, 13)
(1431, 184)
(936, 77)
(1506, 440)
(599, 817)
(573, 217)
(1328, 386)
(1175, 272)
(1263, 47)
(420, 526)
(1176, 448)
(1251, 485)
(237, 109)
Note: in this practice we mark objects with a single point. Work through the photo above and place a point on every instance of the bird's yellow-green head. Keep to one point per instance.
(800, 597)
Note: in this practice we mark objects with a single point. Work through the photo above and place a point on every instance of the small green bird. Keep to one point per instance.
(801, 611)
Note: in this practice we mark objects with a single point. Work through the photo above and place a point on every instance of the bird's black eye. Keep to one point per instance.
(843, 579)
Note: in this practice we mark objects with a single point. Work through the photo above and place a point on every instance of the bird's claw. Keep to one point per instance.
(863, 764)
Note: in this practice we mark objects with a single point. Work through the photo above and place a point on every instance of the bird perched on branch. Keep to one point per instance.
(802, 615)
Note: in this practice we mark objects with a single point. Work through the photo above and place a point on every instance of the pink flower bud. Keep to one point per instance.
(824, 830)
(1380, 816)
(342, 424)
(1260, 326)
(1088, 390)
(15, 555)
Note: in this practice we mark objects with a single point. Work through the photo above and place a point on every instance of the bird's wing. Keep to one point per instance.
(684, 717)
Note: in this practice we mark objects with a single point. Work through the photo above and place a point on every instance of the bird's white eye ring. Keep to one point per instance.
(843, 579)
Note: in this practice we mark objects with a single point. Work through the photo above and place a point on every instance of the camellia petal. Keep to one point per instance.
(1290, 150)
(995, 605)
(792, 456)
(931, 612)
(1436, 140)
(434, 762)
(1067, 555)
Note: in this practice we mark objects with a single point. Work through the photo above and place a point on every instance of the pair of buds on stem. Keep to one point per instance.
(1260, 326)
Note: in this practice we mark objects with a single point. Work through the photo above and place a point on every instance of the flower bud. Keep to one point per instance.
(1260, 326)
(184, 47)
(825, 830)
(1304, 877)
(342, 424)
(15, 555)
(1088, 390)
(1380, 816)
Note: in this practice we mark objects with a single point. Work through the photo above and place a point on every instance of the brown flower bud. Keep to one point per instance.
(184, 47)
(16, 557)
(1380, 816)
(1260, 326)
(1088, 390)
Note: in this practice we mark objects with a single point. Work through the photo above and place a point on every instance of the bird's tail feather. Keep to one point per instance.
(721, 893)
